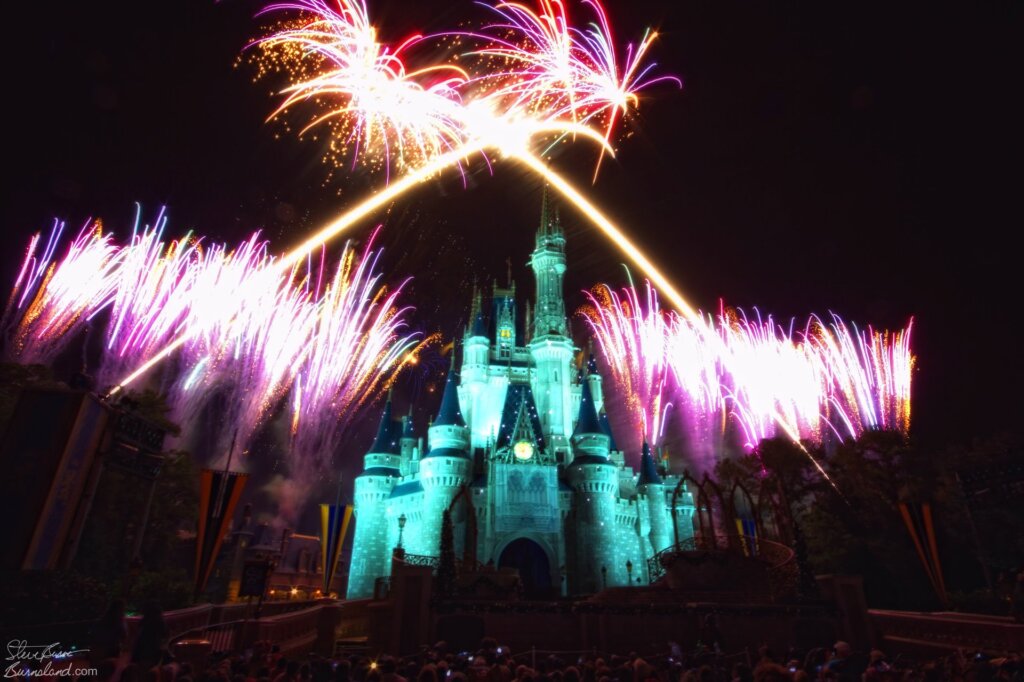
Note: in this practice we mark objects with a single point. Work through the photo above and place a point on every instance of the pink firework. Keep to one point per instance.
(150, 300)
(765, 379)
(357, 344)
(867, 374)
(633, 336)
(53, 299)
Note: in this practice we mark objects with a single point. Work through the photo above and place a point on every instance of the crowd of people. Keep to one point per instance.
(149, 660)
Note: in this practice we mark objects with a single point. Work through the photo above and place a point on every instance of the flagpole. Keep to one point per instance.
(218, 506)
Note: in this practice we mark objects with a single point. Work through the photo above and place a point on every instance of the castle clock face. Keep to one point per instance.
(523, 450)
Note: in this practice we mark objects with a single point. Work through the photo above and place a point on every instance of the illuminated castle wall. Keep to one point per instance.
(527, 432)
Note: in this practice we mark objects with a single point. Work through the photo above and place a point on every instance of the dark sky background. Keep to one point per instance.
(859, 157)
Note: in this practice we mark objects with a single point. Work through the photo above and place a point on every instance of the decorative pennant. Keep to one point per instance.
(334, 519)
(219, 492)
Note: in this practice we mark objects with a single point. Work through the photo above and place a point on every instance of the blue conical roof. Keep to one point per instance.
(587, 422)
(450, 413)
(385, 442)
(648, 470)
(591, 364)
(606, 429)
(408, 430)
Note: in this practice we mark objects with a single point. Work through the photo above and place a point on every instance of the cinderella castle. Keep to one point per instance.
(523, 433)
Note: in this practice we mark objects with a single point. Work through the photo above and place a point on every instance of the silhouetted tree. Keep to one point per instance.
(446, 562)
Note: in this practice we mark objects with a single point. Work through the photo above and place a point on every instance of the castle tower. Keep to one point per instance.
(594, 379)
(652, 489)
(407, 445)
(551, 350)
(548, 263)
(503, 302)
(444, 470)
(594, 480)
(474, 395)
(371, 555)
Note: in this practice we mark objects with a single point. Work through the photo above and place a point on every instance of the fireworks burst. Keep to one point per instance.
(334, 62)
(334, 347)
(52, 299)
(633, 337)
(374, 107)
(357, 344)
(826, 380)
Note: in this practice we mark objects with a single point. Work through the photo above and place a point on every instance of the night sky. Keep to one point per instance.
(859, 157)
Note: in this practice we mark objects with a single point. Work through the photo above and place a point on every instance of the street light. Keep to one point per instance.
(401, 528)
(629, 571)
(604, 576)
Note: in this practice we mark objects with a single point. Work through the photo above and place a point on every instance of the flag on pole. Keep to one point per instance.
(334, 520)
(921, 528)
(219, 492)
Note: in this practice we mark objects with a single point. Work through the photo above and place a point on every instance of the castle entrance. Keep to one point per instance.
(532, 562)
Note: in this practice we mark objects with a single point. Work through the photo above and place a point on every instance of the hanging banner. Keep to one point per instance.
(219, 492)
(929, 553)
(334, 520)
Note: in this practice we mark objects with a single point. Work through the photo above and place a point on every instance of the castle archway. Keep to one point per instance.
(530, 559)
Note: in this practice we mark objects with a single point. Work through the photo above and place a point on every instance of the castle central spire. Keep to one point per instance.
(548, 263)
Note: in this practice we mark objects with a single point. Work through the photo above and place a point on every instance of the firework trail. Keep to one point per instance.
(333, 57)
(633, 337)
(357, 344)
(52, 299)
(336, 66)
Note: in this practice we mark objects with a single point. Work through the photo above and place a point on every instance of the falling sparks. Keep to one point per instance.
(825, 381)
(333, 347)
(357, 342)
(52, 298)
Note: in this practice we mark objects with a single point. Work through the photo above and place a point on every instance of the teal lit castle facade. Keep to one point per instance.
(524, 433)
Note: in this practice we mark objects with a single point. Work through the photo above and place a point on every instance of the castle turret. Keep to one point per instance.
(476, 344)
(370, 551)
(551, 349)
(651, 489)
(407, 446)
(588, 438)
(594, 379)
(594, 480)
(473, 393)
(503, 302)
(444, 470)
(548, 263)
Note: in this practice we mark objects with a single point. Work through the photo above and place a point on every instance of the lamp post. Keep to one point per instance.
(401, 529)
(604, 576)
(629, 571)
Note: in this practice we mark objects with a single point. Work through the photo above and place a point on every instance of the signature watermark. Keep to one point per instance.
(44, 660)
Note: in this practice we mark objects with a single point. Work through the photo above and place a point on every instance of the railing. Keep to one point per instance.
(179, 622)
(294, 633)
(780, 559)
(949, 631)
(431, 562)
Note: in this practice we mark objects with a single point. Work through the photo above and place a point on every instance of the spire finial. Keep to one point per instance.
(545, 219)
(450, 412)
